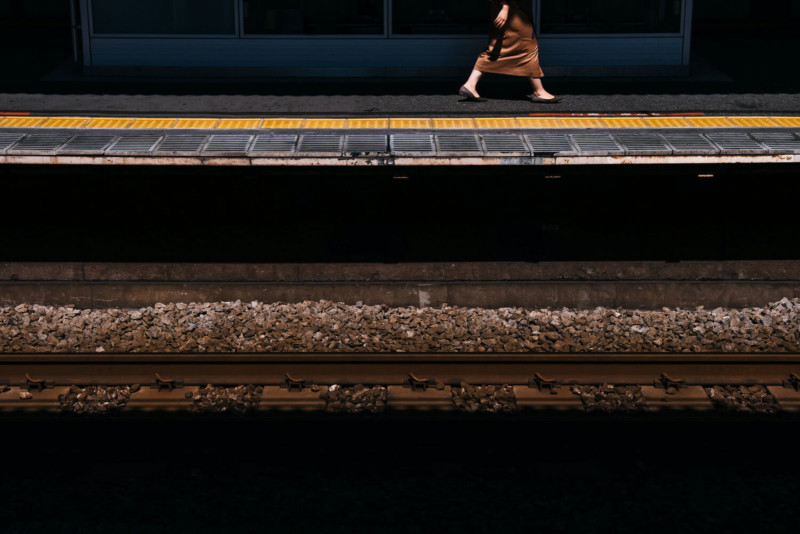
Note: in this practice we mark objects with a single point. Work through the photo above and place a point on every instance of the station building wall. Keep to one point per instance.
(378, 37)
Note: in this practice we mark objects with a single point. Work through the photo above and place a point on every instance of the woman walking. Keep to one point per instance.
(512, 49)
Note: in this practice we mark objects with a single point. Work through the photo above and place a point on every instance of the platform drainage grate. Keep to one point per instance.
(87, 144)
(320, 144)
(550, 144)
(274, 144)
(39, 143)
(412, 144)
(458, 144)
(643, 144)
(228, 144)
(505, 144)
(685, 143)
(779, 142)
(181, 144)
(364, 144)
(135, 144)
(596, 144)
(8, 140)
(736, 143)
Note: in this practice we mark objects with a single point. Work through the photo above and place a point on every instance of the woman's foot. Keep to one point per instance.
(543, 95)
(471, 94)
(552, 100)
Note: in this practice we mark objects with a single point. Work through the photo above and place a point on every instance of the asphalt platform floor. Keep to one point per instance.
(729, 76)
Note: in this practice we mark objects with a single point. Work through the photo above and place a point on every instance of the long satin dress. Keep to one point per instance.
(513, 49)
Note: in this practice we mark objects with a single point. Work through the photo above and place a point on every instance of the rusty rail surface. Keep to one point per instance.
(170, 382)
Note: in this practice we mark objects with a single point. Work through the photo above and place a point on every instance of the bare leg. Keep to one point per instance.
(538, 88)
(472, 83)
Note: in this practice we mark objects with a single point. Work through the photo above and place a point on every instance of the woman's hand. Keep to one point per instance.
(502, 18)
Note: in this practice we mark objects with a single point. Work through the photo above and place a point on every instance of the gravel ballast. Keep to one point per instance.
(96, 399)
(484, 399)
(611, 399)
(355, 399)
(743, 399)
(335, 327)
(218, 399)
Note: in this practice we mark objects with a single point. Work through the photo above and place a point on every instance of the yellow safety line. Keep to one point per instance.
(467, 123)
(458, 122)
(499, 122)
(538, 122)
(282, 123)
(368, 123)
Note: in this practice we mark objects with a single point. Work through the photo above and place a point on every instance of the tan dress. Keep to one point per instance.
(513, 49)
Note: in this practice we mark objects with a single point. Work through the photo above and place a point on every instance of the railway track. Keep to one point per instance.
(377, 383)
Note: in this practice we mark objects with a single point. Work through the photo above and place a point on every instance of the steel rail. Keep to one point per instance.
(395, 368)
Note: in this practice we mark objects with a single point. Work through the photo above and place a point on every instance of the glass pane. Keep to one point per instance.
(205, 17)
(611, 16)
(313, 17)
(440, 17)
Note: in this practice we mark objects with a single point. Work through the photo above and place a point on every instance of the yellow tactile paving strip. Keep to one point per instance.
(457, 123)
(623, 122)
(666, 122)
(443, 123)
(238, 124)
(66, 122)
(326, 124)
(380, 124)
(282, 123)
(499, 122)
(410, 123)
(709, 122)
(538, 122)
(110, 123)
(581, 122)
(196, 124)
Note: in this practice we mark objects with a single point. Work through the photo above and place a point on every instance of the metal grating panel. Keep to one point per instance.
(228, 145)
(779, 142)
(596, 144)
(87, 144)
(458, 144)
(643, 144)
(688, 143)
(36, 144)
(8, 140)
(181, 144)
(412, 144)
(736, 143)
(545, 144)
(274, 144)
(505, 144)
(320, 144)
(365, 144)
(134, 144)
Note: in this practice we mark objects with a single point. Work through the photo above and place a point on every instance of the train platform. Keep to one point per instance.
(534, 139)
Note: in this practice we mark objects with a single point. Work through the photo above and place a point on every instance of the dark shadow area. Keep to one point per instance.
(376, 475)
(399, 215)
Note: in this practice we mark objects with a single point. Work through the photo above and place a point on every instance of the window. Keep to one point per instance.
(313, 17)
(440, 17)
(200, 17)
(611, 16)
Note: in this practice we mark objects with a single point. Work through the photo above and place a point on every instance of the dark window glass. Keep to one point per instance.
(440, 17)
(206, 17)
(611, 16)
(313, 17)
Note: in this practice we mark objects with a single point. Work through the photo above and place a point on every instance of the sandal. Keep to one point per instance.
(470, 95)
